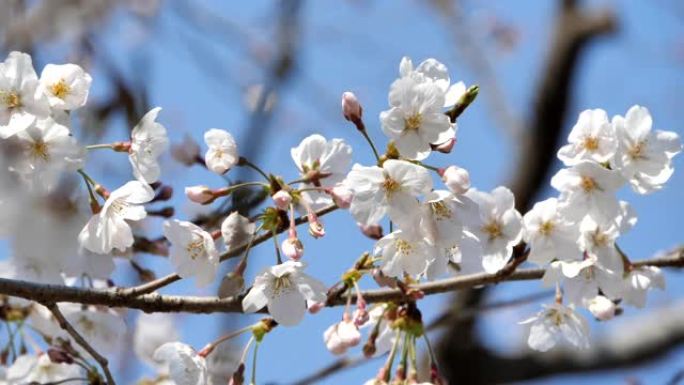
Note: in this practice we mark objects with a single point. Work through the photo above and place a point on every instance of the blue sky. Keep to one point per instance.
(357, 45)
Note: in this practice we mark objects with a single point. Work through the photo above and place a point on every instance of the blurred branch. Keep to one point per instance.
(461, 352)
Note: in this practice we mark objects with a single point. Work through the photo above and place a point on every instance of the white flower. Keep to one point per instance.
(193, 252)
(148, 141)
(236, 230)
(109, 229)
(582, 280)
(501, 227)
(152, 331)
(602, 308)
(404, 252)
(415, 119)
(443, 217)
(592, 138)
(39, 369)
(550, 235)
(66, 86)
(341, 336)
(222, 153)
(284, 289)
(644, 156)
(323, 163)
(588, 189)
(557, 324)
(456, 179)
(391, 189)
(185, 366)
(21, 100)
(48, 149)
(436, 72)
(638, 281)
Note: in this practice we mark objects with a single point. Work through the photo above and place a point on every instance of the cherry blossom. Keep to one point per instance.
(193, 251)
(404, 252)
(582, 280)
(391, 189)
(592, 138)
(501, 227)
(21, 100)
(321, 163)
(108, 229)
(555, 325)
(602, 308)
(549, 234)
(66, 86)
(341, 336)
(148, 141)
(438, 73)
(456, 179)
(185, 366)
(588, 189)
(638, 281)
(644, 156)
(39, 369)
(222, 153)
(284, 289)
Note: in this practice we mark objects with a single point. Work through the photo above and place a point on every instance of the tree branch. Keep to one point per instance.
(154, 302)
(64, 324)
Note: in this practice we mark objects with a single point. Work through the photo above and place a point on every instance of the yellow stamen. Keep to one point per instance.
(60, 89)
(413, 122)
(591, 143)
(588, 184)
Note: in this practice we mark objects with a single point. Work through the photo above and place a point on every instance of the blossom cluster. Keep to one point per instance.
(438, 224)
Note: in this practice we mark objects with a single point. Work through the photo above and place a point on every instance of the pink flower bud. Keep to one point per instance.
(372, 231)
(316, 307)
(200, 194)
(351, 109)
(316, 228)
(282, 199)
(341, 336)
(342, 196)
(444, 147)
(602, 308)
(292, 248)
(456, 179)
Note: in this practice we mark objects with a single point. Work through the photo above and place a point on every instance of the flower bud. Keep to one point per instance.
(282, 199)
(200, 194)
(602, 308)
(342, 196)
(444, 147)
(351, 108)
(231, 285)
(315, 307)
(372, 231)
(456, 179)
(60, 356)
(316, 228)
(292, 248)
(341, 336)
(186, 152)
(164, 194)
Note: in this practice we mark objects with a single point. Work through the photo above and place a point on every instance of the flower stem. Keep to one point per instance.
(99, 146)
(212, 345)
(372, 145)
(279, 259)
(246, 163)
(254, 362)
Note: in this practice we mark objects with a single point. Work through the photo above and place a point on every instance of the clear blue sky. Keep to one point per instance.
(357, 45)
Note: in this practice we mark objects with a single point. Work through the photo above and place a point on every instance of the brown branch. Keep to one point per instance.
(64, 324)
(154, 302)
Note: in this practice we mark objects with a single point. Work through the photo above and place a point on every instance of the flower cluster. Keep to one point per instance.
(438, 225)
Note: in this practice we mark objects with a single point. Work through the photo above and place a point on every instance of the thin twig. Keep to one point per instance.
(64, 324)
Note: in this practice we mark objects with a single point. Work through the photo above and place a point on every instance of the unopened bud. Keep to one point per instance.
(444, 147)
(187, 152)
(456, 179)
(282, 199)
(200, 194)
(292, 248)
(165, 212)
(351, 108)
(231, 285)
(164, 194)
(371, 231)
(342, 196)
(316, 307)
(60, 356)
(238, 377)
(316, 228)
(602, 308)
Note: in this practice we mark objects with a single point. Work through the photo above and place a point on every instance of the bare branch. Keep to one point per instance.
(64, 324)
